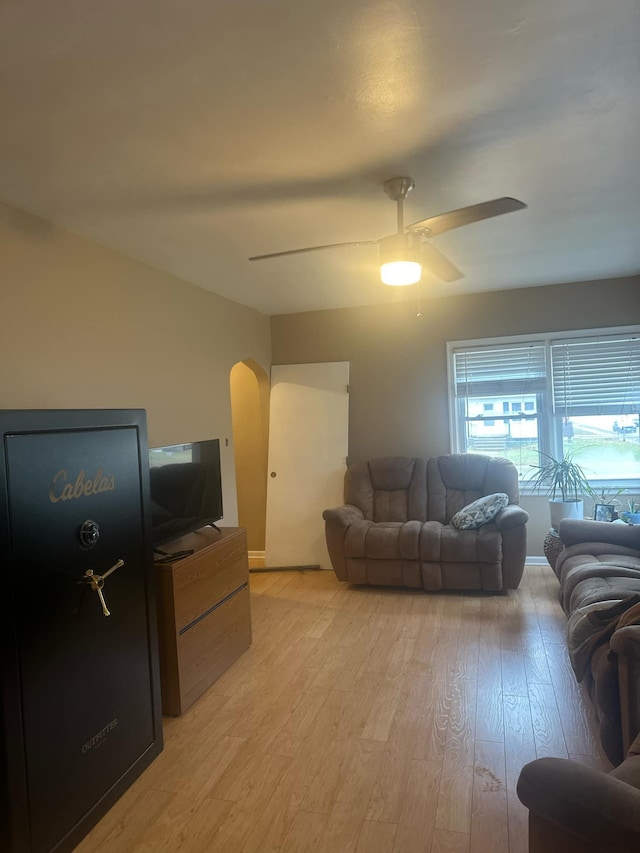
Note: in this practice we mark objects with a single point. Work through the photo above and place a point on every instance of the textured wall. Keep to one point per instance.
(398, 402)
(85, 327)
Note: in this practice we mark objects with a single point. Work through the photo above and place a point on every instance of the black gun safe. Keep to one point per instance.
(80, 698)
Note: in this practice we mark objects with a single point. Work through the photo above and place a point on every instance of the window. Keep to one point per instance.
(577, 394)
(596, 394)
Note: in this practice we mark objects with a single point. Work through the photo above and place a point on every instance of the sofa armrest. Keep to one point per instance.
(343, 516)
(574, 531)
(625, 642)
(511, 516)
(337, 522)
(586, 803)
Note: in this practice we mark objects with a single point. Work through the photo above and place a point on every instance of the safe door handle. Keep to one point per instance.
(97, 583)
(110, 571)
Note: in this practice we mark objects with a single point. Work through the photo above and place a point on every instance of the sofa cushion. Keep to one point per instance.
(573, 556)
(624, 568)
(391, 488)
(602, 589)
(457, 479)
(386, 540)
(480, 511)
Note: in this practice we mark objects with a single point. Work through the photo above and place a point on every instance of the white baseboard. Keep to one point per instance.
(256, 560)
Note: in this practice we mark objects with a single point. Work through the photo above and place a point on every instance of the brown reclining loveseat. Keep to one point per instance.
(395, 529)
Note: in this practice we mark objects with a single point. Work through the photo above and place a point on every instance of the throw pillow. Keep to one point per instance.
(480, 512)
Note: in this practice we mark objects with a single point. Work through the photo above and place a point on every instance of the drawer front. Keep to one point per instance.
(209, 577)
(210, 647)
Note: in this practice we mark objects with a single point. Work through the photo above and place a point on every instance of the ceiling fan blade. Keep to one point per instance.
(435, 225)
(313, 249)
(435, 262)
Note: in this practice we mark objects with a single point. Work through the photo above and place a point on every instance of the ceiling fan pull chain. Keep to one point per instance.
(419, 314)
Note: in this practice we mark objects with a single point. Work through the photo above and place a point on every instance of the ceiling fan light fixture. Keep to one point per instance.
(400, 260)
(400, 273)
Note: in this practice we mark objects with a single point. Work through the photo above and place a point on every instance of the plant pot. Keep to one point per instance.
(630, 517)
(565, 509)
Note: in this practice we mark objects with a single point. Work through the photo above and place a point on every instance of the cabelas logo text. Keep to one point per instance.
(99, 738)
(62, 490)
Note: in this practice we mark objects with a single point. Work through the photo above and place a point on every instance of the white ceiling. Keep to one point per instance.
(193, 134)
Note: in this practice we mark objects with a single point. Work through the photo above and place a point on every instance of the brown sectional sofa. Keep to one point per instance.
(599, 574)
(395, 530)
(573, 808)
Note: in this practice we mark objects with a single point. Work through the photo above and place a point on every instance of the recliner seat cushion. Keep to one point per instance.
(596, 589)
(430, 542)
(569, 560)
(388, 540)
(625, 567)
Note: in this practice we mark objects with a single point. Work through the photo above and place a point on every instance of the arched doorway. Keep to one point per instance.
(249, 385)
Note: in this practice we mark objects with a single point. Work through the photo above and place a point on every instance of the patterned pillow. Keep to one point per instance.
(480, 512)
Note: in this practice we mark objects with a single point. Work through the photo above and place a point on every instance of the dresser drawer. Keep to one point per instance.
(210, 646)
(198, 584)
(204, 613)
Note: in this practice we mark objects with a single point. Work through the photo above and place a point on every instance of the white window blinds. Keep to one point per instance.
(596, 376)
(494, 371)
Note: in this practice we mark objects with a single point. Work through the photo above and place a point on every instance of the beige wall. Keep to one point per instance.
(398, 400)
(83, 326)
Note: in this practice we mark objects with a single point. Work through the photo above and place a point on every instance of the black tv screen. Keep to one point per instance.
(186, 488)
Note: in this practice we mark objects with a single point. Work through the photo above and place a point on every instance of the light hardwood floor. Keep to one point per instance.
(364, 720)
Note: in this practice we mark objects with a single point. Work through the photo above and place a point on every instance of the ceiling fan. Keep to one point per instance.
(403, 254)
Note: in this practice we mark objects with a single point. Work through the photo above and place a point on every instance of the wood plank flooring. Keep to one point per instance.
(364, 721)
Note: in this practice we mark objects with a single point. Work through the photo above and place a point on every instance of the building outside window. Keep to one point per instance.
(578, 393)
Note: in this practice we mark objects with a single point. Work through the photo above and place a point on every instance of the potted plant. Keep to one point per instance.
(565, 482)
(633, 516)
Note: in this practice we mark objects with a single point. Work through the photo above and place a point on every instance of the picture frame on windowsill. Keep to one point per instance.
(604, 512)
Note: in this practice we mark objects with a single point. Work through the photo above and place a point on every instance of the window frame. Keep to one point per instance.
(550, 433)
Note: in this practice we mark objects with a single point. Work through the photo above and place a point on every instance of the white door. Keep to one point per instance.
(308, 435)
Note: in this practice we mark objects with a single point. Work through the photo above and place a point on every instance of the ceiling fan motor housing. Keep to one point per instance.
(398, 188)
(400, 247)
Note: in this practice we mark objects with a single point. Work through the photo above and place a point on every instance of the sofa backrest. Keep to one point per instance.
(402, 488)
(391, 488)
(457, 479)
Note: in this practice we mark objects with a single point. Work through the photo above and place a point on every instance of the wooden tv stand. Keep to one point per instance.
(204, 615)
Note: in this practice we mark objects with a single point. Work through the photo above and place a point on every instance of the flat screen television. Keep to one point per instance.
(186, 488)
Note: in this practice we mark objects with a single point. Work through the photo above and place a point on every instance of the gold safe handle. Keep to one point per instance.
(97, 582)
